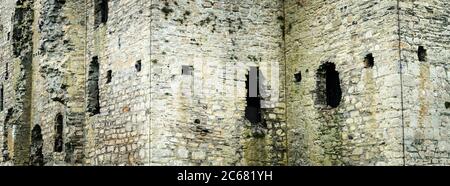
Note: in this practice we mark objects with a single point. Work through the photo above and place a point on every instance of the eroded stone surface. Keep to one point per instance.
(170, 84)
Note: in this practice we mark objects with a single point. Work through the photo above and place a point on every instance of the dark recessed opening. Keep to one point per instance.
(6, 123)
(93, 92)
(447, 105)
(298, 77)
(1, 98)
(253, 108)
(108, 76)
(138, 65)
(58, 133)
(36, 155)
(328, 84)
(350, 137)
(369, 61)
(187, 70)
(101, 12)
(422, 53)
(6, 71)
(197, 121)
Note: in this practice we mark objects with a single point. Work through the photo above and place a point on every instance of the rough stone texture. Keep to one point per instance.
(119, 135)
(426, 83)
(16, 123)
(213, 37)
(364, 129)
(153, 110)
(55, 41)
(398, 102)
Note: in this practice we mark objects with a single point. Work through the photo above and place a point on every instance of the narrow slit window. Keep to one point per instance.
(6, 71)
(58, 133)
(422, 54)
(93, 103)
(101, 12)
(108, 76)
(369, 61)
(138, 65)
(1, 98)
(253, 98)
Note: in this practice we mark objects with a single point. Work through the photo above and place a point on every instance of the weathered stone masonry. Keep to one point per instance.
(208, 127)
(166, 82)
(392, 110)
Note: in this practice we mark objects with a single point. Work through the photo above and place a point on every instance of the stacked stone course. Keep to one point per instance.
(163, 82)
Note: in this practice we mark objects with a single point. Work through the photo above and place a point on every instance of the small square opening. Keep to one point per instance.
(187, 70)
(298, 77)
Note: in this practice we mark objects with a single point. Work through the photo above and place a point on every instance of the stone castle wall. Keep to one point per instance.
(426, 82)
(62, 39)
(119, 134)
(164, 82)
(198, 119)
(365, 129)
(393, 113)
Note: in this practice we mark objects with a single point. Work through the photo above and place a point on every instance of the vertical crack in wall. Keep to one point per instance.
(401, 82)
(284, 51)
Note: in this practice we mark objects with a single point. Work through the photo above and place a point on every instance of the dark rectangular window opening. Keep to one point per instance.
(369, 61)
(6, 71)
(59, 121)
(328, 85)
(253, 98)
(36, 156)
(298, 77)
(187, 70)
(334, 93)
(422, 54)
(93, 92)
(1, 98)
(108, 76)
(101, 12)
(138, 65)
